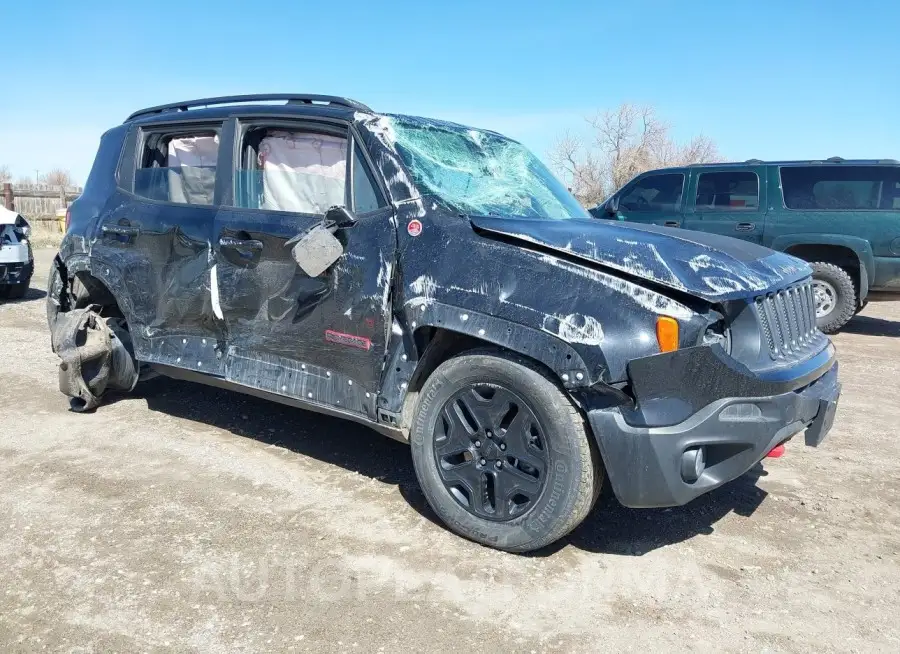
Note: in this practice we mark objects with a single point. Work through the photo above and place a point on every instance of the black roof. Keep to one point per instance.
(224, 105)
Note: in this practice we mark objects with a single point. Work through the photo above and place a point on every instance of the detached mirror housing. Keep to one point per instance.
(318, 249)
(340, 217)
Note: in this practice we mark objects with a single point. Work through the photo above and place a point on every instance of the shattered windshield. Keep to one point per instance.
(481, 173)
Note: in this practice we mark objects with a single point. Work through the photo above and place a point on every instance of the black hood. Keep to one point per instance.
(709, 266)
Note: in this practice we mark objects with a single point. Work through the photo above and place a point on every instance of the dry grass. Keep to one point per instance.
(45, 234)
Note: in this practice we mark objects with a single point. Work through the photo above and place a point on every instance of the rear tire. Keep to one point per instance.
(518, 437)
(835, 296)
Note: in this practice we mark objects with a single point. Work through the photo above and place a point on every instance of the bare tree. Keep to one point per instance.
(627, 141)
(5, 174)
(58, 177)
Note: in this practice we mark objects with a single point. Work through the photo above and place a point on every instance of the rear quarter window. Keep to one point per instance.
(841, 188)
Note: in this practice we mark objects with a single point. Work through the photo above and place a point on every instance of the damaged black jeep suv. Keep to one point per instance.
(438, 284)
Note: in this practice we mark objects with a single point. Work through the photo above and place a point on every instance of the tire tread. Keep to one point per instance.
(846, 289)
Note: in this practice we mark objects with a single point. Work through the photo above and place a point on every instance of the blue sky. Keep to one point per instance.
(764, 79)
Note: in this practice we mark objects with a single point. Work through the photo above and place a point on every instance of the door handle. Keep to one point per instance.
(120, 230)
(672, 223)
(240, 244)
(745, 227)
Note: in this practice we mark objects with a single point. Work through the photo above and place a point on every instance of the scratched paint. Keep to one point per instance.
(575, 328)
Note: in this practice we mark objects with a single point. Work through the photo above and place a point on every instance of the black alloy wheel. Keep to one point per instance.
(490, 452)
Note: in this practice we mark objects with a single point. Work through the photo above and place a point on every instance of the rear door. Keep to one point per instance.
(152, 245)
(727, 200)
(320, 339)
(654, 198)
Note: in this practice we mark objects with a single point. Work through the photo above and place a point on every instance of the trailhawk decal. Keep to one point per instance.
(359, 342)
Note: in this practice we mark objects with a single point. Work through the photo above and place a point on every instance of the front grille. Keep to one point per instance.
(788, 320)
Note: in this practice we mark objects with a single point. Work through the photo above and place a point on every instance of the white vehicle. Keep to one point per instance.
(16, 260)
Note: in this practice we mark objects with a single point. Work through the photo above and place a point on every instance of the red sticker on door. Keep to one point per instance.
(414, 228)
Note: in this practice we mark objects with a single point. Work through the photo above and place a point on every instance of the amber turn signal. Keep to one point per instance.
(667, 334)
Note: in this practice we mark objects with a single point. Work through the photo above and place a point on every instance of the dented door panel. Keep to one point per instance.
(273, 311)
(160, 257)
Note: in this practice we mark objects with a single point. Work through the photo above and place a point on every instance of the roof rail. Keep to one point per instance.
(290, 98)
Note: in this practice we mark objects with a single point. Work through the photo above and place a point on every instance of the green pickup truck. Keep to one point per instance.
(841, 216)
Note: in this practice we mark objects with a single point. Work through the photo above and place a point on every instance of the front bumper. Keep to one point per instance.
(644, 463)
(16, 273)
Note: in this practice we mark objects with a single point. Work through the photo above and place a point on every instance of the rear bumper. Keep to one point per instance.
(644, 463)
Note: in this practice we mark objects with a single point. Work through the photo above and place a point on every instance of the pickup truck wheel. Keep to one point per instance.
(503, 456)
(835, 296)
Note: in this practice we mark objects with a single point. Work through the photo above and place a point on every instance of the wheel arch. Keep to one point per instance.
(451, 323)
(852, 254)
(96, 281)
(451, 333)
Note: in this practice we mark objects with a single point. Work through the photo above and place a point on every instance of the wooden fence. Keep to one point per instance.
(39, 203)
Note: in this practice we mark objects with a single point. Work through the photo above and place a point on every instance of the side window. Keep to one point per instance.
(365, 192)
(291, 170)
(840, 188)
(728, 191)
(178, 167)
(654, 193)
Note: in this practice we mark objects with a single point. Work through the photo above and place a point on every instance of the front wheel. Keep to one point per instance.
(503, 456)
(835, 296)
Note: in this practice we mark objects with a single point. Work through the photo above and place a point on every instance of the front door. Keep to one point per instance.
(727, 200)
(319, 339)
(654, 198)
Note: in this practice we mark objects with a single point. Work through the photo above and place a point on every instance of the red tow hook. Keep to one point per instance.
(776, 452)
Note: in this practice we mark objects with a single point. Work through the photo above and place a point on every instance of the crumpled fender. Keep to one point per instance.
(96, 357)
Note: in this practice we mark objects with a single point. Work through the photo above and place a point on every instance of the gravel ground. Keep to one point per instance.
(186, 518)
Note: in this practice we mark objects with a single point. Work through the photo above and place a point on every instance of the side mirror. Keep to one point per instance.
(316, 250)
(612, 206)
(340, 217)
